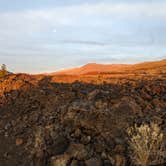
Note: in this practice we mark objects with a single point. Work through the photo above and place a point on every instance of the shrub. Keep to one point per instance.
(3, 70)
(146, 145)
(39, 139)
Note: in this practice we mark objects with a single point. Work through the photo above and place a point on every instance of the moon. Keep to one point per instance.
(54, 31)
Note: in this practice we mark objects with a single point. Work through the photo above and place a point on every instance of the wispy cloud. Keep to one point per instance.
(43, 19)
(30, 23)
(109, 29)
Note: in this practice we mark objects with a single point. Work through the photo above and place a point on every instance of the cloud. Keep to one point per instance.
(42, 19)
(83, 42)
(30, 23)
(104, 29)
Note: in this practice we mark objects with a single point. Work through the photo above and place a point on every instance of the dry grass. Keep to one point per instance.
(146, 145)
(39, 139)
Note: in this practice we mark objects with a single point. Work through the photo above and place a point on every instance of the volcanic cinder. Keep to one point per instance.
(78, 117)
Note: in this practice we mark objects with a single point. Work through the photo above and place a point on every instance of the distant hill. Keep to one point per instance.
(93, 68)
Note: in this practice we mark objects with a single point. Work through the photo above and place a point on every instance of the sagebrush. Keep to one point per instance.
(146, 145)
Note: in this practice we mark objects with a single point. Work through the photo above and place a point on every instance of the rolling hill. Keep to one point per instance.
(93, 68)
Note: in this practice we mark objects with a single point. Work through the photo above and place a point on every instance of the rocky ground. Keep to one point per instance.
(45, 123)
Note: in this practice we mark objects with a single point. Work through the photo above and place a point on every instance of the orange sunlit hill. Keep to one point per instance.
(97, 73)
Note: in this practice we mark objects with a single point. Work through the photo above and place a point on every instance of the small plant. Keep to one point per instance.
(3, 70)
(39, 139)
(146, 145)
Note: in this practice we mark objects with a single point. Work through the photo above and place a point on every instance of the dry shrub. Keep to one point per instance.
(39, 143)
(146, 145)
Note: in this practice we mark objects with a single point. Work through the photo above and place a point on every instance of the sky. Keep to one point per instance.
(47, 35)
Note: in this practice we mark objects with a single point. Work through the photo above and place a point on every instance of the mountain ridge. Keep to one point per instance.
(108, 68)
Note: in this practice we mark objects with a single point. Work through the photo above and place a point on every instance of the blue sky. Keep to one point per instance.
(47, 35)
